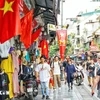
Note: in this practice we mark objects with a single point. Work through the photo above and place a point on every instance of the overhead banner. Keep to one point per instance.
(62, 38)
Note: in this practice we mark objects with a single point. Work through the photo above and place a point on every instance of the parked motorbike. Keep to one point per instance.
(31, 85)
(79, 78)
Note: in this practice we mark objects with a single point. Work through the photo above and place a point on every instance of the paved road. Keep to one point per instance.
(78, 93)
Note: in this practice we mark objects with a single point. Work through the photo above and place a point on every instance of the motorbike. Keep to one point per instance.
(79, 78)
(31, 85)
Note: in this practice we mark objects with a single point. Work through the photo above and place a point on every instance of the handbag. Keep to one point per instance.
(73, 75)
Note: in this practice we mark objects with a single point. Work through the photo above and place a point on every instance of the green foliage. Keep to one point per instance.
(72, 35)
(69, 48)
(53, 50)
(99, 46)
(86, 49)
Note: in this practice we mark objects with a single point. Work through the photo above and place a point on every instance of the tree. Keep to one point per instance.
(69, 47)
(53, 50)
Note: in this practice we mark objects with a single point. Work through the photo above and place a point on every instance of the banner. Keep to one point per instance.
(26, 25)
(44, 48)
(62, 38)
(35, 35)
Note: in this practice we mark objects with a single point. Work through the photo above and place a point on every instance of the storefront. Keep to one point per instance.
(17, 50)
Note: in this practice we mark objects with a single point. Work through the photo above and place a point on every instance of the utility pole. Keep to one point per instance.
(61, 13)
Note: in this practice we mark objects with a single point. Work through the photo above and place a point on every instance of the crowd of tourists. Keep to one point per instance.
(51, 72)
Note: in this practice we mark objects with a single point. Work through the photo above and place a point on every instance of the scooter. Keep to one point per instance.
(79, 78)
(31, 86)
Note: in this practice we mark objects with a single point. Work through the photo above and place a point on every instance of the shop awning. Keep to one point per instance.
(49, 18)
(94, 48)
(47, 10)
(48, 4)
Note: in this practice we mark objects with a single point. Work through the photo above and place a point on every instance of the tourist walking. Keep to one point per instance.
(56, 72)
(43, 73)
(70, 70)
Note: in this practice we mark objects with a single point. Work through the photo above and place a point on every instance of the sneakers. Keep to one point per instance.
(69, 90)
(47, 97)
(43, 96)
(71, 87)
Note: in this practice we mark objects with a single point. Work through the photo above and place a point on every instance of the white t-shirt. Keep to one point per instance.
(43, 70)
(56, 68)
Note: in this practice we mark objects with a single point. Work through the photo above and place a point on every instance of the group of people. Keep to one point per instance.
(46, 71)
(93, 73)
(51, 73)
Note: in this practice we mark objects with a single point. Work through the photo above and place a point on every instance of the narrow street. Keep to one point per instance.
(82, 92)
(42, 42)
(78, 93)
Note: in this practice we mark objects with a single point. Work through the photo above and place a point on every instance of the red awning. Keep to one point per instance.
(94, 48)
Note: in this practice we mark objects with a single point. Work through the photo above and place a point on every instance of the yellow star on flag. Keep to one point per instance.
(44, 46)
(36, 39)
(7, 7)
(62, 35)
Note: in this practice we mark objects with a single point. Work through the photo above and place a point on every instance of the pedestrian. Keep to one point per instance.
(86, 68)
(65, 64)
(97, 78)
(43, 73)
(70, 70)
(56, 72)
(97, 64)
(91, 70)
(61, 69)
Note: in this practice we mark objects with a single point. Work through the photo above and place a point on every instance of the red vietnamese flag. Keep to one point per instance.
(26, 25)
(9, 19)
(44, 48)
(35, 35)
(25, 8)
(62, 37)
(22, 7)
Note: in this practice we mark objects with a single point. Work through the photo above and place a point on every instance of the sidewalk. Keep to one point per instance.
(88, 88)
(78, 93)
(82, 92)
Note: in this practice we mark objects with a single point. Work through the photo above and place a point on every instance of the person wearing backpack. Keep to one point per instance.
(55, 66)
